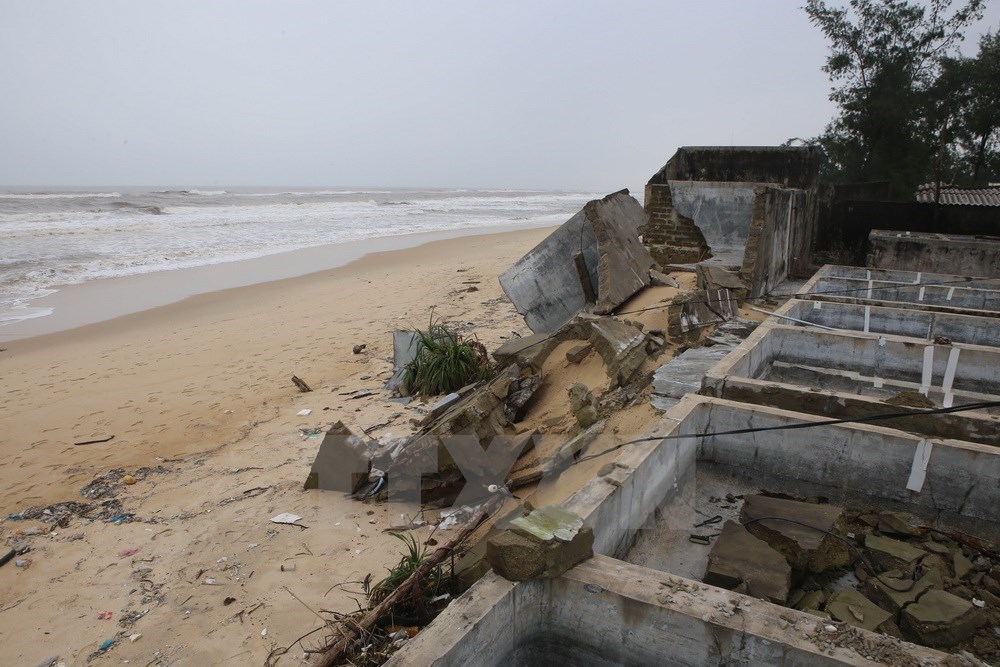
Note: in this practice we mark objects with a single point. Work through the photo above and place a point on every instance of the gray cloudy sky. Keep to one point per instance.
(504, 94)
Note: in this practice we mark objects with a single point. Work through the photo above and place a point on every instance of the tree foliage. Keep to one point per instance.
(906, 109)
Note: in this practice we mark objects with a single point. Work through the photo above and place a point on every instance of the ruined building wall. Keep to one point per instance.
(790, 166)
(779, 235)
(670, 237)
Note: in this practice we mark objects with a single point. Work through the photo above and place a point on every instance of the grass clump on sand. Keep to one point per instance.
(445, 362)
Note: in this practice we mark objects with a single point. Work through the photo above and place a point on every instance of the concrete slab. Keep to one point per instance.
(594, 258)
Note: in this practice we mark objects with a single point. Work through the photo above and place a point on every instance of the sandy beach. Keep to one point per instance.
(199, 398)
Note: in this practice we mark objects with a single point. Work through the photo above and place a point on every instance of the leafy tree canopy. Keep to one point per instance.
(910, 108)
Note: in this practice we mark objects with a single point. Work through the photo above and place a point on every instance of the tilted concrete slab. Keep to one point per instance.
(855, 375)
(594, 258)
(920, 324)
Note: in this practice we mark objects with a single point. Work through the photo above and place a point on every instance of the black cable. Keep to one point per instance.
(788, 427)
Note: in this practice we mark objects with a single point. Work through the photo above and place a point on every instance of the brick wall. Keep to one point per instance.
(670, 237)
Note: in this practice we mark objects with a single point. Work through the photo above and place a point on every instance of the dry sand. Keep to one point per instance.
(200, 392)
(202, 388)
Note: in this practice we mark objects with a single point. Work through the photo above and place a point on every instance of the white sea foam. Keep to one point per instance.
(52, 239)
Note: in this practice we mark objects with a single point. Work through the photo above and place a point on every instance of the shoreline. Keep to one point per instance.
(97, 301)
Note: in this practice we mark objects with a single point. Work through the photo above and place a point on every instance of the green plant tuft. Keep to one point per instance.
(408, 564)
(445, 362)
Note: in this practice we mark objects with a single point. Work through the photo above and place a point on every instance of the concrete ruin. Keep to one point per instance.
(594, 260)
(913, 251)
(752, 208)
(754, 441)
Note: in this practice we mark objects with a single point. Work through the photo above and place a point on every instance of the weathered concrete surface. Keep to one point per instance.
(605, 612)
(526, 351)
(738, 558)
(912, 251)
(713, 277)
(941, 619)
(682, 374)
(854, 608)
(889, 554)
(622, 347)
(542, 545)
(779, 238)
(946, 293)
(782, 524)
(594, 258)
(920, 324)
(722, 212)
(404, 350)
(852, 375)
(789, 166)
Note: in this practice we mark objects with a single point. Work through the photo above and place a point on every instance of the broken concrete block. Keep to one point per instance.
(578, 353)
(343, 461)
(898, 523)
(739, 557)
(714, 277)
(404, 350)
(890, 554)
(594, 258)
(852, 607)
(622, 347)
(810, 600)
(941, 619)
(544, 544)
(581, 404)
(806, 549)
(526, 351)
(894, 593)
(660, 279)
(961, 565)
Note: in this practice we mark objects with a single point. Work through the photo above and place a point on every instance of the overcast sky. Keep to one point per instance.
(575, 95)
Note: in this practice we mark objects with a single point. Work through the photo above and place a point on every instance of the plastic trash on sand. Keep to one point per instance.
(304, 412)
(285, 517)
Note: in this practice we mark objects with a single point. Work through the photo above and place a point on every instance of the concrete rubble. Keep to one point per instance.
(738, 560)
(594, 261)
(542, 545)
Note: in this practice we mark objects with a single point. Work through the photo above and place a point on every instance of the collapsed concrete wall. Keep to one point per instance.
(753, 207)
(594, 259)
(909, 251)
(788, 166)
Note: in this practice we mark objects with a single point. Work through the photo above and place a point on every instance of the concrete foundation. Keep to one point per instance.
(924, 325)
(934, 292)
(912, 251)
(859, 375)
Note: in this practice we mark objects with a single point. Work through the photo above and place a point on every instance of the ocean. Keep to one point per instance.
(64, 237)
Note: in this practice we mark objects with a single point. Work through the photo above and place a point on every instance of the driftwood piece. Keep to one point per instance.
(95, 441)
(300, 383)
(332, 655)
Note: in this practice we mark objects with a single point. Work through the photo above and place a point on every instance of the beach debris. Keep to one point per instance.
(7, 556)
(286, 518)
(134, 637)
(121, 518)
(288, 567)
(24, 563)
(301, 384)
(263, 633)
(542, 545)
(48, 662)
(594, 259)
(131, 551)
(209, 581)
(228, 601)
(343, 462)
(362, 393)
(106, 644)
(95, 441)
(129, 480)
(304, 412)
(358, 349)
(105, 615)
